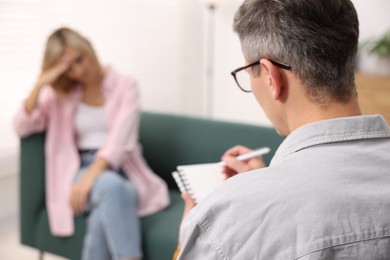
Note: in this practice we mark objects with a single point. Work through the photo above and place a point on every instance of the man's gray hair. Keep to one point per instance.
(318, 38)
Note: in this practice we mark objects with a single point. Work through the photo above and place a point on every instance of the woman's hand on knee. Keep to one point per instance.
(80, 191)
(79, 194)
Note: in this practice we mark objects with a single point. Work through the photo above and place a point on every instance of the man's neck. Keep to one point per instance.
(310, 112)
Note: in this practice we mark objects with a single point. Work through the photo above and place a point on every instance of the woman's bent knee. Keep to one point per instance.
(110, 183)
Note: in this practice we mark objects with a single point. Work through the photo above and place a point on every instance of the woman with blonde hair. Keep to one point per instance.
(93, 161)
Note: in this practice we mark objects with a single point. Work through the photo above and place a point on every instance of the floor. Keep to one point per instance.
(11, 249)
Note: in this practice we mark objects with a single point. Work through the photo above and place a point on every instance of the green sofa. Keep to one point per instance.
(168, 141)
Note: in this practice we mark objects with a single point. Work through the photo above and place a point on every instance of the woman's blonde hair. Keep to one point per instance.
(55, 47)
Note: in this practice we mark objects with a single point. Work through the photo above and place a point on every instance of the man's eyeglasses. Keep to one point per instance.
(242, 78)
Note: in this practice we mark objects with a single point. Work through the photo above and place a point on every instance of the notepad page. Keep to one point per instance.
(202, 179)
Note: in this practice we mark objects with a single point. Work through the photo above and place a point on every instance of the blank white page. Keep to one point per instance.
(201, 179)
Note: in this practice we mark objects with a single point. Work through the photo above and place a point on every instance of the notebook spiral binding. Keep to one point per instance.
(182, 183)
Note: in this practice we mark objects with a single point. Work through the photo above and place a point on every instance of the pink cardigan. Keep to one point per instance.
(55, 115)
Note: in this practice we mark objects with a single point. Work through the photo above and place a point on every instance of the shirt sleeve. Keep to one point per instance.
(197, 241)
(26, 124)
(123, 136)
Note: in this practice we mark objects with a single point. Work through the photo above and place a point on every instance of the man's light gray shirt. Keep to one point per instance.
(325, 195)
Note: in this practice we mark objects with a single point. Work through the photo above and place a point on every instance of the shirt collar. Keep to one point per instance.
(333, 130)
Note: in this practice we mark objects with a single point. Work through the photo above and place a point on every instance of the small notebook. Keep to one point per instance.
(198, 179)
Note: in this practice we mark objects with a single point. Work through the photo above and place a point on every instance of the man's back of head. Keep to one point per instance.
(317, 38)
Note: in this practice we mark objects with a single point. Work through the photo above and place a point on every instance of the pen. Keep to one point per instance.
(243, 157)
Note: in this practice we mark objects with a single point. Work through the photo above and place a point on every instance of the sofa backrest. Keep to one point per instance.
(171, 140)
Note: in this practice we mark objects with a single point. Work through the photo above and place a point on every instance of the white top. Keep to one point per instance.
(91, 127)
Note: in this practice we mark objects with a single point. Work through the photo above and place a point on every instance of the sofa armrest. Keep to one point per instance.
(32, 185)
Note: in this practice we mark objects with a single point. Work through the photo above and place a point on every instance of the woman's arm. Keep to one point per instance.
(26, 123)
(31, 115)
(80, 191)
(47, 77)
(123, 136)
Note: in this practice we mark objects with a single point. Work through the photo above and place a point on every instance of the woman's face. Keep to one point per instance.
(82, 68)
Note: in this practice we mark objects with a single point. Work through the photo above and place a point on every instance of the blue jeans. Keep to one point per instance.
(113, 228)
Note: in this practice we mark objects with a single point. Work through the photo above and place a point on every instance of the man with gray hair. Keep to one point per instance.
(326, 192)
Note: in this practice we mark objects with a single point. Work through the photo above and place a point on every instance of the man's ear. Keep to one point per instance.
(274, 78)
